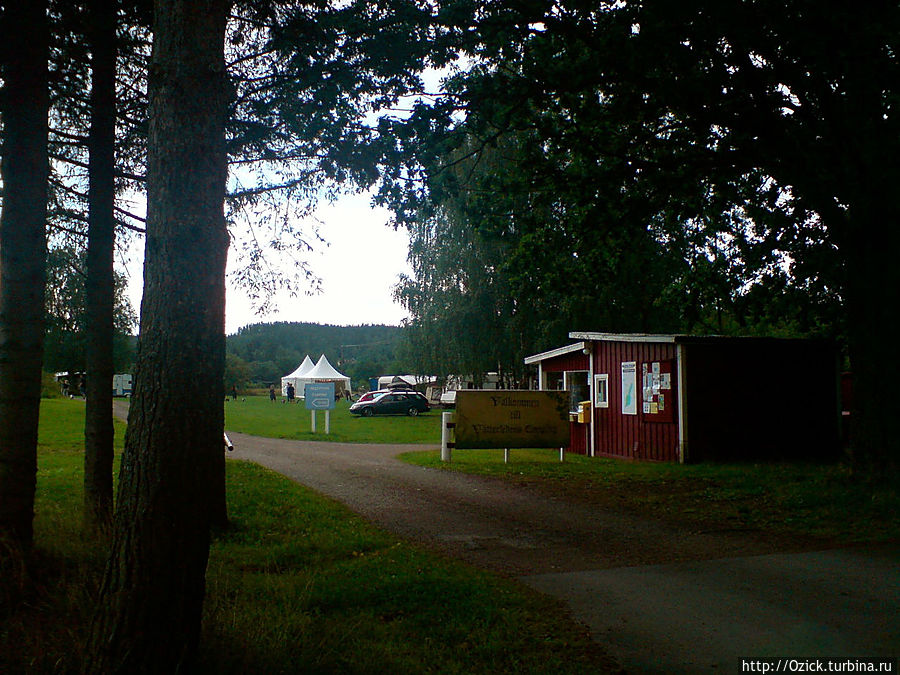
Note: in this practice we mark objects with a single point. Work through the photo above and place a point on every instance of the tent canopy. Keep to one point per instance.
(303, 368)
(322, 371)
(294, 377)
(325, 372)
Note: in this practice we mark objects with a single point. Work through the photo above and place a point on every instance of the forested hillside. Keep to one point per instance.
(262, 353)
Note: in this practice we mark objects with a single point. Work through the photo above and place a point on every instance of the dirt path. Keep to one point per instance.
(512, 529)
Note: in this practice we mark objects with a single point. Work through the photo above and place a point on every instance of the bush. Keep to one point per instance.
(49, 386)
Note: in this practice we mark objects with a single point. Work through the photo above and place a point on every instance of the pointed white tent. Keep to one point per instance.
(295, 377)
(325, 372)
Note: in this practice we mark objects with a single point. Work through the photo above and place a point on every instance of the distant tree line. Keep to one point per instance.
(261, 354)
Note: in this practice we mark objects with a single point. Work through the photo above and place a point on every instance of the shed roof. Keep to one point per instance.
(625, 337)
(559, 351)
(587, 337)
(681, 338)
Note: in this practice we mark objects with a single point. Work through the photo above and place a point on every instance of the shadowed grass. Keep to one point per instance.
(823, 501)
(351, 599)
(297, 584)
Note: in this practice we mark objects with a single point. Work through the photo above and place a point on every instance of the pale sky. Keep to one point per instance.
(358, 269)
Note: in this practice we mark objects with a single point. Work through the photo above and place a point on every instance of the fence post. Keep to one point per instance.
(447, 424)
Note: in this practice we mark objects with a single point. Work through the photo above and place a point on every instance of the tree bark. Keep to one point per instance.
(151, 598)
(873, 296)
(23, 254)
(100, 282)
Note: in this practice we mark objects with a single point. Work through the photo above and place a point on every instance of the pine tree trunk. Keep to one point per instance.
(151, 598)
(100, 284)
(873, 296)
(23, 255)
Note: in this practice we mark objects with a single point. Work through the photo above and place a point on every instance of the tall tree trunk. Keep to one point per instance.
(23, 255)
(873, 296)
(151, 598)
(100, 284)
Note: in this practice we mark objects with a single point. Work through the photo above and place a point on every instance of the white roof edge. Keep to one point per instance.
(559, 351)
(624, 337)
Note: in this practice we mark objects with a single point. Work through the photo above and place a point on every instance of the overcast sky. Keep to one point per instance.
(358, 269)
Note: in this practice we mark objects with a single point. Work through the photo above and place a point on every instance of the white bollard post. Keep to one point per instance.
(562, 454)
(446, 452)
(506, 455)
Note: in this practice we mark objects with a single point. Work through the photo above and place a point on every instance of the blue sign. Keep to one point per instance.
(319, 395)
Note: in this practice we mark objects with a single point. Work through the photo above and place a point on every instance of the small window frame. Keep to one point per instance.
(601, 390)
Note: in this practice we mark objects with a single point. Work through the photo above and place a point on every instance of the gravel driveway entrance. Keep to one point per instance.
(659, 596)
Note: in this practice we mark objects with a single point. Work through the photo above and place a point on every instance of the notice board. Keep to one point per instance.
(507, 418)
(658, 391)
(319, 395)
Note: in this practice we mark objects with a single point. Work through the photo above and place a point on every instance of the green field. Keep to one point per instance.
(296, 584)
(258, 416)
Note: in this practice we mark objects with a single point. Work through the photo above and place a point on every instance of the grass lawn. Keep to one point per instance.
(823, 501)
(258, 416)
(297, 584)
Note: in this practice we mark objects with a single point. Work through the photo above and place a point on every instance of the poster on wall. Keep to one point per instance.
(629, 388)
(658, 396)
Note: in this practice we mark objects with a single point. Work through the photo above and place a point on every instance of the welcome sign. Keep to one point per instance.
(506, 418)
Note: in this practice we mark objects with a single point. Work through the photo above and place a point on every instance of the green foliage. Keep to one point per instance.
(64, 342)
(463, 314)
(49, 386)
(237, 373)
(310, 81)
(650, 168)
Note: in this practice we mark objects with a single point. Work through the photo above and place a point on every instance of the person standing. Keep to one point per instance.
(272, 393)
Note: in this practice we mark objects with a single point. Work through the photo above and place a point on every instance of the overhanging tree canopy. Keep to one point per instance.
(758, 140)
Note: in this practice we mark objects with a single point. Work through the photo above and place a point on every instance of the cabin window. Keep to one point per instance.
(553, 381)
(601, 390)
(576, 383)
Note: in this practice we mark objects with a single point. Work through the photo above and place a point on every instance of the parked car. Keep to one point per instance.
(392, 403)
(371, 395)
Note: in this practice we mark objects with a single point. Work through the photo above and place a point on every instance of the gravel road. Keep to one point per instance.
(512, 529)
(661, 597)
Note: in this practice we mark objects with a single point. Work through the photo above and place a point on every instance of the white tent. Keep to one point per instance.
(323, 371)
(296, 377)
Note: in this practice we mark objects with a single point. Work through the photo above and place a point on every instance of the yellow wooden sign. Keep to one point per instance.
(505, 418)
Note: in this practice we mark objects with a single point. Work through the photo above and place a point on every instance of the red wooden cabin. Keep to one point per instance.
(680, 398)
